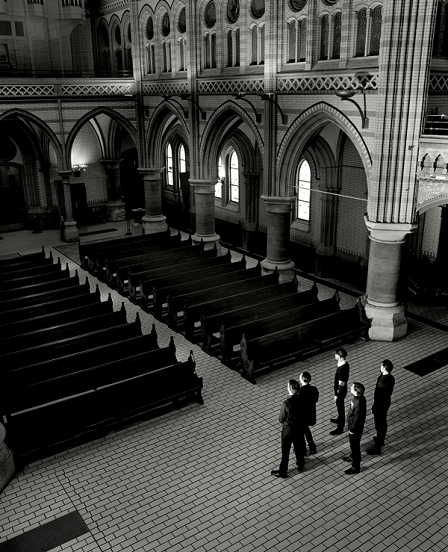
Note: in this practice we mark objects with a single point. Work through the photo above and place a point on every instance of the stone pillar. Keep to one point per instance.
(204, 194)
(279, 221)
(388, 321)
(325, 248)
(70, 231)
(250, 225)
(154, 221)
(7, 468)
(115, 207)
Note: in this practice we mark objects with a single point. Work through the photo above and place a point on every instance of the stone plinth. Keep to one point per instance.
(7, 468)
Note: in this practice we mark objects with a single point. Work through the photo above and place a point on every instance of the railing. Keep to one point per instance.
(47, 73)
(436, 124)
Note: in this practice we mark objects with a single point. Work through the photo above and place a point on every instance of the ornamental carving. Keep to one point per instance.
(233, 10)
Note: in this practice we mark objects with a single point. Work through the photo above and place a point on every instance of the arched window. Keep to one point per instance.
(440, 45)
(210, 51)
(237, 48)
(337, 25)
(213, 51)
(227, 189)
(151, 59)
(254, 36)
(303, 188)
(182, 161)
(324, 36)
(292, 41)
(169, 166)
(297, 41)
(181, 55)
(375, 35)
(207, 51)
(222, 177)
(229, 49)
(234, 178)
(361, 31)
(261, 57)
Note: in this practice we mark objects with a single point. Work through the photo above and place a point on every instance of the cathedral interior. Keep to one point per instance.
(306, 137)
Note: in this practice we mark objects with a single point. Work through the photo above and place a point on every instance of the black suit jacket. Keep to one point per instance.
(309, 396)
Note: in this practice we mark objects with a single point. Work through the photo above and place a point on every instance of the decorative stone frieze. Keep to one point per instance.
(27, 90)
(165, 89)
(231, 87)
(293, 85)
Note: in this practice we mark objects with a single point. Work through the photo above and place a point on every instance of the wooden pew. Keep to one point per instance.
(29, 268)
(53, 319)
(192, 304)
(23, 259)
(62, 331)
(80, 360)
(81, 378)
(159, 259)
(59, 305)
(162, 287)
(279, 320)
(34, 432)
(296, 341)
(55, 274)
(265, 303)
(350, 325)
(32, 289)
(124, 249)
(71, 288)
(135, 275)
(87, 249)
(157, 250)
(117, 330)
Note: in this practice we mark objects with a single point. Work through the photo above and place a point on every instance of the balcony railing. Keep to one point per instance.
(8, 71)
(436, 124)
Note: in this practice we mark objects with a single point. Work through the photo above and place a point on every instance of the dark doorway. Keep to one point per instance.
(13, 210)
(131, 180)
(79, 203)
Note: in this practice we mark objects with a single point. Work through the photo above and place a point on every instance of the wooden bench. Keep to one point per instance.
(295, 341)
(53, 426)
(117, 330)
(259, 305)
(23, 259)
(43, 308)
(181, 282)
(351, 324)
(55, 274)
(28, 269)
(71, 288)
(120, 250)
(135, 275)
(62, 331)
(159, 260)
(50, 320)
(157, 250)
(80, 379)
(32, 289)
(80, 360)
(195, 303)
(174, 272)
(279, 320)
(87, 249)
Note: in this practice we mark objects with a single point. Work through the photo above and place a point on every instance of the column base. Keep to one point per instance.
(70, 231)
(116, 211)
(154, 224)
(387, 323)
(7, 467)
(285, 269)
(209, 241)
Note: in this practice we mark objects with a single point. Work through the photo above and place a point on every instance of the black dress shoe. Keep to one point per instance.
(374, 451)
(276, 473)
(347, 459)
(351, 471)
(300, 468)
(336, 432)
(334, 421)
(377, 442)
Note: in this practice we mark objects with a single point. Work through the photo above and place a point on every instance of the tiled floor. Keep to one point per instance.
(199, 478)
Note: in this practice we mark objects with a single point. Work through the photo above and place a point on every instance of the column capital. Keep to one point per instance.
(389, 232)
(152, 173)
(65, 174)
(111, 163)
(277, 204)
(204, 186)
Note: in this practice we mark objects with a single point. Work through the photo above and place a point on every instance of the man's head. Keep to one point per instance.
(386, 367)
(357, 389)
(340, 354)
(305, 378)
(293, 386)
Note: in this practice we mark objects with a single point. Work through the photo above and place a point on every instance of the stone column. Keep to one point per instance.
(325, 248)
(388, 322)
(70, 232)
(7, 468)
(115, 208)
(204, 194)
(250, 225)
(154, 221)
(279, 221)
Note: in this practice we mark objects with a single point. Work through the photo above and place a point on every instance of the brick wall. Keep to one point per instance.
(431, 233)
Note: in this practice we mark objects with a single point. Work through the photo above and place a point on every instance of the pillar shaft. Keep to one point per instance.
(70, 230)
(204, 194)
(154, 220)
(113, 178)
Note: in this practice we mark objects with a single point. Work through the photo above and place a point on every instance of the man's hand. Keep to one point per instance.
(351, 432)
(335, 398)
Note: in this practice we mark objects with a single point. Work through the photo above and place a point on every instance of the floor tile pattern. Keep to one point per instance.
(198, 478)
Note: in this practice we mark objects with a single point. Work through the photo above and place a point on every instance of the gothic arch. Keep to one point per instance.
(436, 201)
(215, 131)
(308, 124)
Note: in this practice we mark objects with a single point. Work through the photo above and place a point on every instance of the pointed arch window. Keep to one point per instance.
(303, 188)
(234, 177)
(375, 35)
(182, 161)
(324, 36)
(175, 165)
(297, 41)
(227, 189)
(169, 166)
(337, 26)
(361, 33)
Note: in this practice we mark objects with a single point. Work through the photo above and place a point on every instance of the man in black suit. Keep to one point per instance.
(340, 389)
(292, 430)
(381, 403)
(309, 395)
(356, 419)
